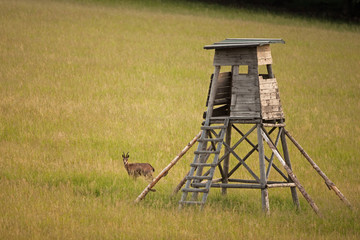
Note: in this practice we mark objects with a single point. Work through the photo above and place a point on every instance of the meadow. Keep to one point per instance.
(83, 81)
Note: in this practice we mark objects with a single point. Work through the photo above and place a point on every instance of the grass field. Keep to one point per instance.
(81, 82)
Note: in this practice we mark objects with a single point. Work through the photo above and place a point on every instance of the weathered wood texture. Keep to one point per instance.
(235, 56)
(168, 167)
(223, 93)
(264, 55)
(212, 94)
(249, 95)
(271, 108)
(290, 173)
(288, 162)
(260, 55)
(226, 163)
(264, 190)
(183, 181)
(245, 98)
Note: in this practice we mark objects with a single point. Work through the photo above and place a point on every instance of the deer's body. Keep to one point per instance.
(138, 169)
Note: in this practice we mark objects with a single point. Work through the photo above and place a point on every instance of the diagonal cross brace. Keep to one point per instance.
(272, 155)
(242, 162)
(255, 148)
(290, 173)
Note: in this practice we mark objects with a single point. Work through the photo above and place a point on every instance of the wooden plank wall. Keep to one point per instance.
(223, 93)
(245, 98)
(264, 55)
(222, 97)
(271, 108)
(235, 56)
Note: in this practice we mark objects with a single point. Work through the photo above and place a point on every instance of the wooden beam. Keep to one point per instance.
(252, 181)
(287, 160)
(272, 155)
(167, 168)
(212, 95)
(227, 185)
(255, 148)
(328, 182)
(276, 185)
(269, 69)
(291, 174)
(226, 160)
(243, 163)
(264, 190)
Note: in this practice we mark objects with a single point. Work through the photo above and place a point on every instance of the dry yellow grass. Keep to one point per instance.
(82, 82)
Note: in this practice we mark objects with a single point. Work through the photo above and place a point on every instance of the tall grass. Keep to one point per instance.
(82, 82)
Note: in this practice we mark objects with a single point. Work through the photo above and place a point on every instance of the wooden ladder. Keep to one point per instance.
(195, 178)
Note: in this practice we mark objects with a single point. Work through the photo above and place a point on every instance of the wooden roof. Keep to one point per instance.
(242, 42)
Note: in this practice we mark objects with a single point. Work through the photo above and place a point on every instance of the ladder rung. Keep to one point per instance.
(198, 184)
(213, 127)
(204, 190)
(207, 152)
(210, 140)
(191, 202)
(203, 165)
(198, 177)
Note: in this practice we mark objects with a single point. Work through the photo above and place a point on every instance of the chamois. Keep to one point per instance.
(138, 169)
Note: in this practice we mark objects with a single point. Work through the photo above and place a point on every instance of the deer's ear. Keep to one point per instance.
(127, 154)
(123, 155)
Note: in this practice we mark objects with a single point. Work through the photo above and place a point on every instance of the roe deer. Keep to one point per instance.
(138, 169)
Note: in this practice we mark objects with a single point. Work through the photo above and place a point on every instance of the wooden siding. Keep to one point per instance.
(235, 56)
(260, 55)
(223, 93)
(264, 55)
(271, 108)
(245, 102)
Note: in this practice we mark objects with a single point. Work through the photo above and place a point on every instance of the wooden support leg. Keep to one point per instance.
(291, 174)
(264, 190)
(287, 160)
(269, 69)
(212, 95)
(226, 160)
(328, 182)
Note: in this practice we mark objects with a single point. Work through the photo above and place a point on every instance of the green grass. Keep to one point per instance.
(81, 82)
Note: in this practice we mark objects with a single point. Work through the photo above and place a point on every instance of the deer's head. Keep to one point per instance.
(125, 158)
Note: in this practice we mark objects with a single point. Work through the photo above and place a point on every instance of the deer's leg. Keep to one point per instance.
(134, 174)
(149, 177)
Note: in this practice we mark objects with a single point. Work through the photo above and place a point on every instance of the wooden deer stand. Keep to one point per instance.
(237, 99)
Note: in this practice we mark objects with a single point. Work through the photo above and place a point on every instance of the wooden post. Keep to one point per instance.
(227, 158)
(269, 69)
(212, 94)
(291, 174)
(264, 190)
(287, 160)
(167, 168)
(328, 182)
(234, 71)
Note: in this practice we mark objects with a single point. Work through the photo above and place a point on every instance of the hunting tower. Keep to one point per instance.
(239, 96)
(239, 99)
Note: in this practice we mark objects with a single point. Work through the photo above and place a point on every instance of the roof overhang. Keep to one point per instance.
(243, 42)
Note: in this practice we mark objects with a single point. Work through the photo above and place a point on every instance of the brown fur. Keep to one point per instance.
(138, 169)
